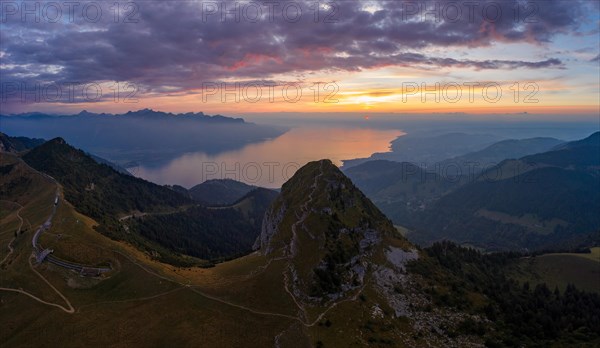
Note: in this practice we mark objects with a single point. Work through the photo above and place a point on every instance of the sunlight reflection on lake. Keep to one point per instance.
(272, 162)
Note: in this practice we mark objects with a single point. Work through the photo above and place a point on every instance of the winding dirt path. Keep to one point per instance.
(131, 299)
(71, 310)
(216, 299)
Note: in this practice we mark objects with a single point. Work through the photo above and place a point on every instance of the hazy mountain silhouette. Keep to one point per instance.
(427, 150)
(145, 136)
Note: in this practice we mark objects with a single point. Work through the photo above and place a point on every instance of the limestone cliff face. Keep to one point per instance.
(271, 221)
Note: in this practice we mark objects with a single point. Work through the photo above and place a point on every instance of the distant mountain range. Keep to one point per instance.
(402, 189)
(540, 201)
(428, 150)
(148, 114)
(145, 136)
(474, 162)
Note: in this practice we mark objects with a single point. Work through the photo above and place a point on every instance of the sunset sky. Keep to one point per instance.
(367, 56)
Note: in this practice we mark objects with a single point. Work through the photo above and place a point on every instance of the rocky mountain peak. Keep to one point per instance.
(329, 232)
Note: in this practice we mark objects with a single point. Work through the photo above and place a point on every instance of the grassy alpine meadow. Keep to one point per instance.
(561, 269)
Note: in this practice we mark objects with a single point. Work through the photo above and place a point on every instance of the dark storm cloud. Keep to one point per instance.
(180, 44)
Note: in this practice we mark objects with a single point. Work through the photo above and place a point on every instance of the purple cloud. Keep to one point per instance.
(180, 44)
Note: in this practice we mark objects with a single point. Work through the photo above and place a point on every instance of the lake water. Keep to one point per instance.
(272, 162)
